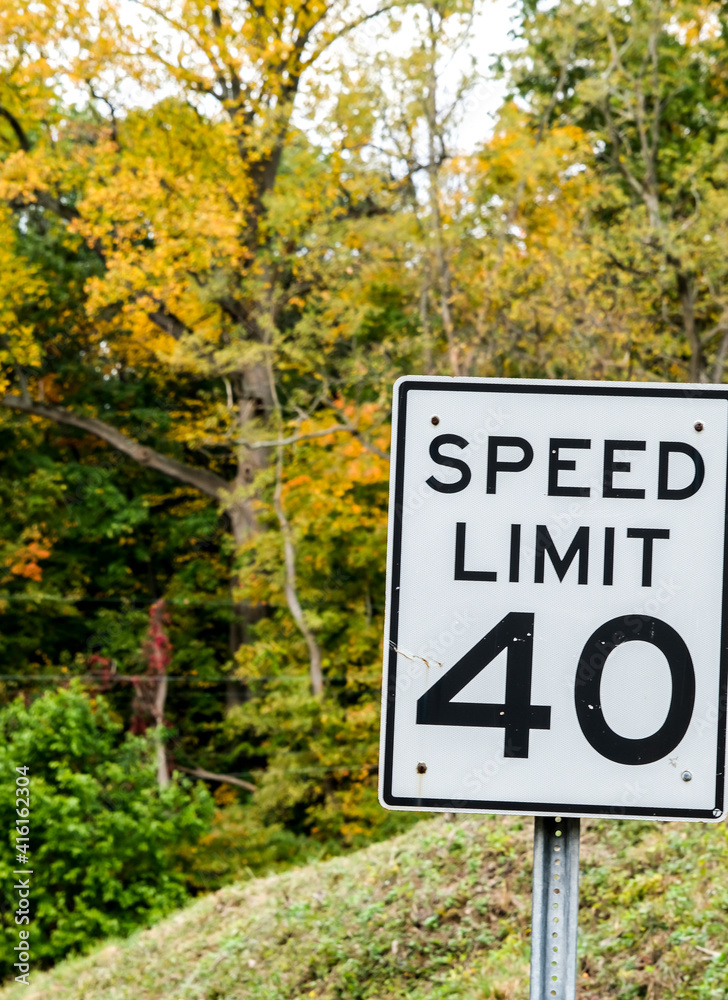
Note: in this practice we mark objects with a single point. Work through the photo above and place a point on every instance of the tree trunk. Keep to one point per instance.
(159, 700)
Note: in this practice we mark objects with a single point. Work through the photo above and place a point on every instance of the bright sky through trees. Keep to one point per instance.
(488, 37)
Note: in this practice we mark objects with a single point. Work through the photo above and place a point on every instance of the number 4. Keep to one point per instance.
(517, 716)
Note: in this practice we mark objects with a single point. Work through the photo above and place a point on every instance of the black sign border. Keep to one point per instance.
(413, 383)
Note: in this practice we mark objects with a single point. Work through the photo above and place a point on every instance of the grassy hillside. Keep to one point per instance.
(442, 912)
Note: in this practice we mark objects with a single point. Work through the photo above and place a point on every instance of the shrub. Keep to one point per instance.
(102, 833)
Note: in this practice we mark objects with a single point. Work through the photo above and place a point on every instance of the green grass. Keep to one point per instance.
(440, 912)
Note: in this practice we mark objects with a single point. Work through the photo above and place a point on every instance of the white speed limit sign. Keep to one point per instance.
(556, 604)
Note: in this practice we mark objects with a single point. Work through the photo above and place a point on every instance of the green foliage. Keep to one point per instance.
(645, 84)
(102, 834)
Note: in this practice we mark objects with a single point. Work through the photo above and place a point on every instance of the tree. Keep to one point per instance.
(102, 833)
(236, 280)
(646, 83)
(210, 299)
(150, 691)
(413, 121)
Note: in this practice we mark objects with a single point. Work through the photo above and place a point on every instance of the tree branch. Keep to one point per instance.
(295, 438)
(45, 200)
(617, 144)
(720, 327)
(17, 128)
(333, 36)
(200, 772)
(294, 605)
(369, 446)
(324, 432)
(112, 110)
(356, 433)
(315, 658)
(201, 479)
(168, 322)
(719, 363)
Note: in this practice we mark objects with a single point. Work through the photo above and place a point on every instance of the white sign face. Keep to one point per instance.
(556, 627)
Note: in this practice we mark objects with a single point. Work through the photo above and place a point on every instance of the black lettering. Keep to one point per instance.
(516, 715)
(495, 466)
(608, 579)
(557, 464)
(588, 699)
(451, 463)
(610, 467)
(545, 543)
(460, 572)
(666, 449)
(648, 535)
(515, 553)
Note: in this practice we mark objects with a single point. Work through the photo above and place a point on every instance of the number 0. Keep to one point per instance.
(587, 690)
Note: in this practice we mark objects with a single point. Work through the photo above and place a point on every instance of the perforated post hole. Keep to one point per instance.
(556, 861)
(555, 908)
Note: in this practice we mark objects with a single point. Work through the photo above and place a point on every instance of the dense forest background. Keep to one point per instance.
(227, 228)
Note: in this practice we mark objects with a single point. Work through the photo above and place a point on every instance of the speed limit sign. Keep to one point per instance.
(556, 599)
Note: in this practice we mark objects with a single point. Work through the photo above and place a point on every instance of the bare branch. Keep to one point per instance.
(355, 432)
(46, 200)
(294, 605)
(628, 268)
(334, 36)
(201, 479)
(295, 438)
(720, 327)
(112, 111)
(369, 446)
(617, 160)
(228, 779)
(168, 322)
(720, 358)
(658, 104)
(324, 432)
(315, 659)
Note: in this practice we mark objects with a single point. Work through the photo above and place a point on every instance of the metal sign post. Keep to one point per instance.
(555, 914)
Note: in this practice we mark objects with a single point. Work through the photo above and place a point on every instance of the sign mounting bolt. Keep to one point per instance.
(699, 425)
(421, 768)
(436, 421)
(687, 776)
